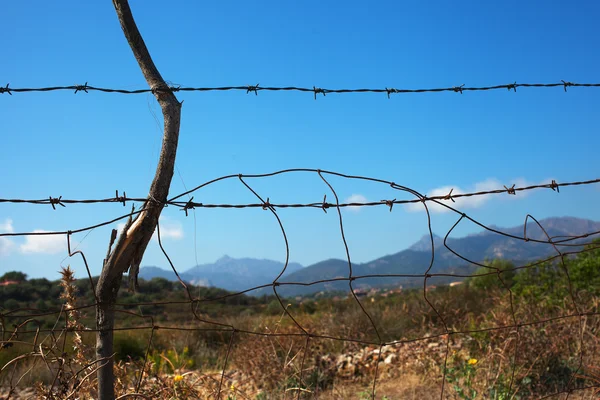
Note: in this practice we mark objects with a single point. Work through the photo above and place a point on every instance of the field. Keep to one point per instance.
(477, 339)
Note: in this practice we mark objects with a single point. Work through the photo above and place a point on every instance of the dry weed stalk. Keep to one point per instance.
(73, 315)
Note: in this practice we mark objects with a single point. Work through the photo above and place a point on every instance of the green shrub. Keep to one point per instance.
(129, 345)
(501, 281)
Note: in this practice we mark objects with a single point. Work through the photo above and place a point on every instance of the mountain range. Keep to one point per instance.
(228, 273)
(244, 273)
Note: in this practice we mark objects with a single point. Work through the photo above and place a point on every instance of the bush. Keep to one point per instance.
(11, 304)
(493, 281)
(129, 346)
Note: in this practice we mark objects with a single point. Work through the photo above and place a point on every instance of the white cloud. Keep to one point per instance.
(355, 198)
(7, 226)
(462, 203)
(169, 229)
(6, 244)
(43, 244)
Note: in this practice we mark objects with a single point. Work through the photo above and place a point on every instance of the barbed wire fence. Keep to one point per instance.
(55, 352)
(314, 90)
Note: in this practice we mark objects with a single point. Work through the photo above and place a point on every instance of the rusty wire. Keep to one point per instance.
(563, 246)
(85, 88)
(324, 205)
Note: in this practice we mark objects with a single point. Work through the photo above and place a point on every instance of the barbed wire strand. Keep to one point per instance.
(190, 204)
(85, 88)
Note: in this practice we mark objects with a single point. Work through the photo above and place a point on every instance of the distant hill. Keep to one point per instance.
(244, 273)
(150, 272)
(424, 244)
(234, 274)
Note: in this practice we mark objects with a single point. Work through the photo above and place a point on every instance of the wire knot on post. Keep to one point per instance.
(554, 186)
(252, 89)
(5, 89)
(155, 201)
(188, 206)
(565, 84)
(318, 90)
(82, 88)
(459, 89)
(55, 200)
(510, 190)
(175, 88)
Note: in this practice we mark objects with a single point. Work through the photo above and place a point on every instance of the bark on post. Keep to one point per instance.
(128, 251)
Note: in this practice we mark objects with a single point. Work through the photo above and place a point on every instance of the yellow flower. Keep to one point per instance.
(177, 378)
(232, 387)
(472, 361)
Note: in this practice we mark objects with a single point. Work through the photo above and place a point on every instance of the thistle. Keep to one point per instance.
(67, 282)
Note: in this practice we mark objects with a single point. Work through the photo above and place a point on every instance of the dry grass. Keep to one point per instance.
(189, 365)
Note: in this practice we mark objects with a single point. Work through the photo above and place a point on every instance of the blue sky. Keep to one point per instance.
(88, 145)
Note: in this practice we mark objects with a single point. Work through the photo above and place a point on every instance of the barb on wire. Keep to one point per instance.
(510, 190)
(389, 203)
(459, 89)
(55, 201)
(121, 199)
(5, 89)
(81, 88)
(252, 89)
(188, 206)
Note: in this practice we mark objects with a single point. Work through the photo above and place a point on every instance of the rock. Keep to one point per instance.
(390, 358)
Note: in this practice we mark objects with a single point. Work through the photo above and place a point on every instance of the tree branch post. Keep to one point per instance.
(129, 249)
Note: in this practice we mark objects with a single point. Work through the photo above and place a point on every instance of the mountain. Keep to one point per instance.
(417, 258)
(424, 244)
(244, 273)
(234, 274)
(488, 245)
(150, 272)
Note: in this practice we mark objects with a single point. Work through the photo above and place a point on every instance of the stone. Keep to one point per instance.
(390, 358)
